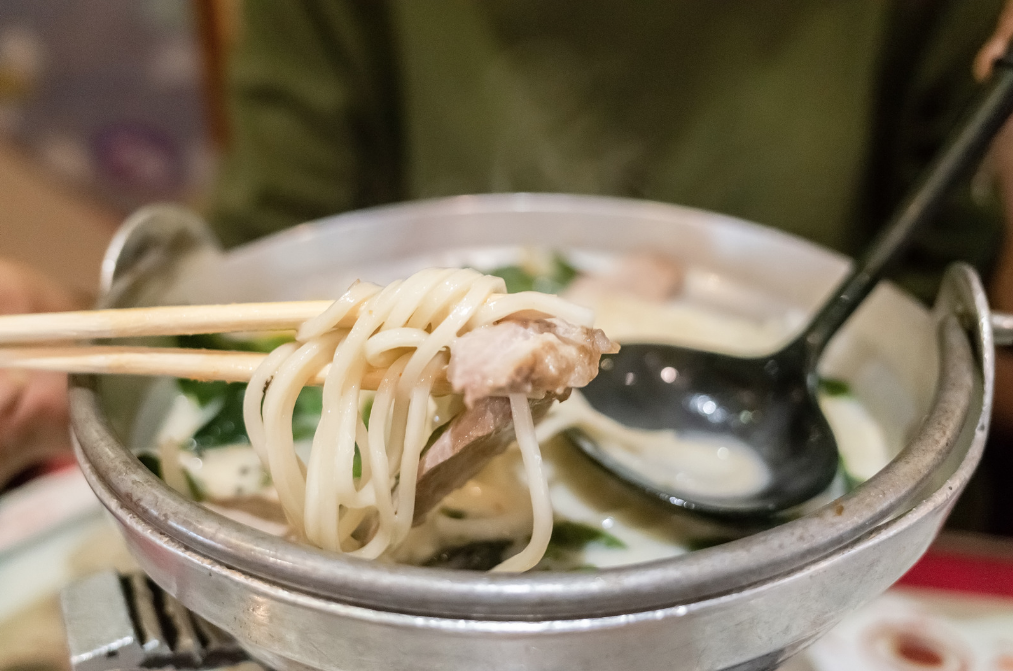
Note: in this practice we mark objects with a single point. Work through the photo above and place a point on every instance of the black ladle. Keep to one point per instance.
(770, 402)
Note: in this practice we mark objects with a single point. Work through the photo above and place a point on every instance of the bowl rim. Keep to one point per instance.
(636, 588)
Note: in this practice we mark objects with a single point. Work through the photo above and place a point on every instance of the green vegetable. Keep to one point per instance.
(834, 387)
(221, 342)
(203, 393)
(568, 540)
(367, 410)
(306, 415)
(518, 279)
(478, 556)
(575, 536)
(567, 544)
(563, 273)
(226, 427)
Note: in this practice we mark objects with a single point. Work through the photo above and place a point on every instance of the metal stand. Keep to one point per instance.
(116, 622)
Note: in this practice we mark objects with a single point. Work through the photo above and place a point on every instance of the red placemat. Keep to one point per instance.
(968, 563)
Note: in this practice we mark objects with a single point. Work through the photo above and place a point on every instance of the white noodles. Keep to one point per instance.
(541, 506)
(404, 329)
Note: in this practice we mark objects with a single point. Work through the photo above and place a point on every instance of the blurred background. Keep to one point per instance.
(104, 106)
(107, 105)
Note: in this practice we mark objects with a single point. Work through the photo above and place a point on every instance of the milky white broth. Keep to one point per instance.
(495, 506)
(698, 464)
(691, 463)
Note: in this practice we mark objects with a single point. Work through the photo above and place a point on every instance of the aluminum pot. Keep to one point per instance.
(747, 604)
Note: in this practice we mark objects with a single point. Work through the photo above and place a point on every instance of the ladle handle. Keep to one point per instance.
(962, 152)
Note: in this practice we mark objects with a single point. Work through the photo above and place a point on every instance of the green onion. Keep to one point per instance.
(834, 387)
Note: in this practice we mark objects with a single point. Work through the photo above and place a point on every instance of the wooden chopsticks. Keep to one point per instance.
(159, 321)
(24, 332)
(194, 364)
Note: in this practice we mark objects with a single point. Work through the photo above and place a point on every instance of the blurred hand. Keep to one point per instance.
(33, 406)
(1001, 289)
(996, 45)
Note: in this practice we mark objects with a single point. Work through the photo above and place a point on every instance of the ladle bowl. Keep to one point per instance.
(759, 402)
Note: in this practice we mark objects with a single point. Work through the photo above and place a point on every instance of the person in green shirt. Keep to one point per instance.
(813, 117)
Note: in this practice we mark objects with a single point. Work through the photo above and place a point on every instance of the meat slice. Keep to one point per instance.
(541, 358)
(472, 438)
(645, 275)
(525, 356)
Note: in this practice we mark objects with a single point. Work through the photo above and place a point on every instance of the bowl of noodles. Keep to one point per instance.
(907, 391)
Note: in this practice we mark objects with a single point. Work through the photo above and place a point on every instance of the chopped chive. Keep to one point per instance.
(569, 535)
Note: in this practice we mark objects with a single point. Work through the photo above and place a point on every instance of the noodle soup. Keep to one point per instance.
(201, 448)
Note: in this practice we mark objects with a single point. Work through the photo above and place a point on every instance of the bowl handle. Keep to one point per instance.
(152, 241)
(1002, 329)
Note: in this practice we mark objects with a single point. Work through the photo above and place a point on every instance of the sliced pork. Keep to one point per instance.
(525, 356)
(644, 275)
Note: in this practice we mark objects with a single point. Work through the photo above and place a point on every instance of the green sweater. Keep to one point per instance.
(813, 116)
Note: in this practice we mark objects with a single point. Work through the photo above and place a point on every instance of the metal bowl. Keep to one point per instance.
(746, 604)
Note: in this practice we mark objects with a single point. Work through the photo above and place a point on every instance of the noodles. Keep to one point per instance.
(405, 329)
(541, 506)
